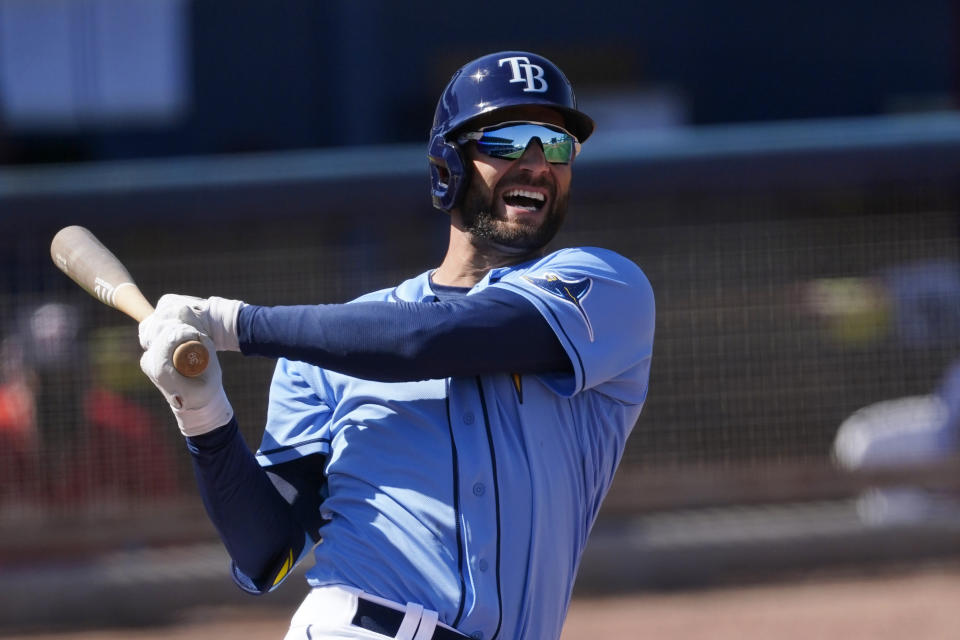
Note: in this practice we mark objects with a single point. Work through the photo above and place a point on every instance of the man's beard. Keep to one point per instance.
(479, 219)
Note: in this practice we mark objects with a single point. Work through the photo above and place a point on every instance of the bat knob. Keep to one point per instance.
(191, 358)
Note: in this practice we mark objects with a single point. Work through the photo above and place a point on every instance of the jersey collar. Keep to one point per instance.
(415, 289)
(418, 289)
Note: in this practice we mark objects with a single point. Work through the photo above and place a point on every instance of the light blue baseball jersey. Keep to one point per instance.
(474, 496)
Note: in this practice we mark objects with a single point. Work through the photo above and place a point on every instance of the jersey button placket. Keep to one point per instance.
(479, 508)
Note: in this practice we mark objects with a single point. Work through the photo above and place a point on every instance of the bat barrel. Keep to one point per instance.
(79, 254)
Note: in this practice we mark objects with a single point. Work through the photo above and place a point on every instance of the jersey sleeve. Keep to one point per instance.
(298, 414)
(600, 305)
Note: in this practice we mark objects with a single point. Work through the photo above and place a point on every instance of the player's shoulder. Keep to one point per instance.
(412, 289)
(593, 262)
(375, 296)
(590, 257)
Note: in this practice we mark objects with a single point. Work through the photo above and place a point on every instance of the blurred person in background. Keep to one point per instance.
(51, 337)
(75, 432)
(915, 430)
(904, 432)
(18, 422)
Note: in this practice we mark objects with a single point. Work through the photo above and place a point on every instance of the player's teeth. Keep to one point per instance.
(533, 195)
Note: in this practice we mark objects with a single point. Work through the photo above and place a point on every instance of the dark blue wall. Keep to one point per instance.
(302, 73)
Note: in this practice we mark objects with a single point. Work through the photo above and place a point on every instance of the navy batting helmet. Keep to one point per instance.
(489, 83)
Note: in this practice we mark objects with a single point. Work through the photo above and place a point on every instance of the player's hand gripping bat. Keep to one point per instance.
(79, 254)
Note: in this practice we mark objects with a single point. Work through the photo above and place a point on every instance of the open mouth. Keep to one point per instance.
(524, 199)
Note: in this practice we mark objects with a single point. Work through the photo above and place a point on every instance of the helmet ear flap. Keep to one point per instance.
(447, 173)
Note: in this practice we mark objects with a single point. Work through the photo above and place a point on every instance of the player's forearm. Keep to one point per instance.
(496, 333)
(254, 521)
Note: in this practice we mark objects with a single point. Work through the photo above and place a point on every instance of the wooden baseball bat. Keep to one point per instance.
(79, 254)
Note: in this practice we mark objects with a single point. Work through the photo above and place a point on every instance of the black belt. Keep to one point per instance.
(386, 621)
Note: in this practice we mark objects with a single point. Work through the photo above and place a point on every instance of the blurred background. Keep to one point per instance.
(785, 173)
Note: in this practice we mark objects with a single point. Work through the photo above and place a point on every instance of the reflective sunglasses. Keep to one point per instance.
(508, 140)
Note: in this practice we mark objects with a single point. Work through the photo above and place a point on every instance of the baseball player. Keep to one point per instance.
(443, 446)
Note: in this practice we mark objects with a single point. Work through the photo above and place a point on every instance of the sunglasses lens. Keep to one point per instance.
(511, 140)
(559, 151)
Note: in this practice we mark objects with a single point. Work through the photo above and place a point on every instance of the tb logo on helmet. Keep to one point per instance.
(524, 71)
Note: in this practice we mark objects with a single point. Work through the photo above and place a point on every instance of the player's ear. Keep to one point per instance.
(444, 176)
(447, 173)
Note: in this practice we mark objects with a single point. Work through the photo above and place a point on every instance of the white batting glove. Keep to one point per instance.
(215, 317)
(199, 404)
